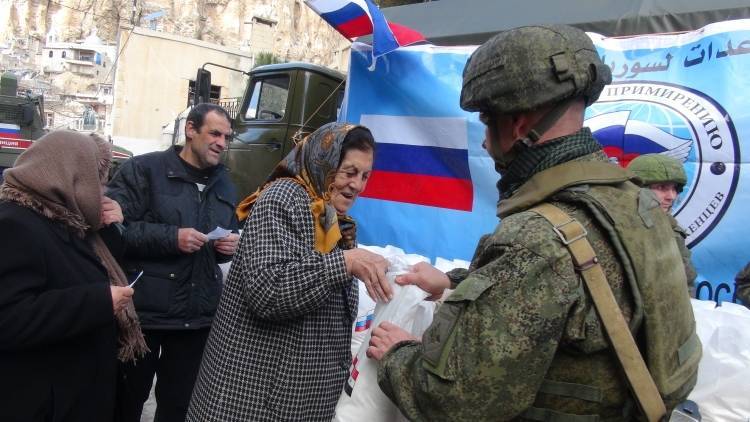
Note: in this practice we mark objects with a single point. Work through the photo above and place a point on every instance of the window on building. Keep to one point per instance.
(64, 53)
(263, 34)
(51, 53)
(268, 98)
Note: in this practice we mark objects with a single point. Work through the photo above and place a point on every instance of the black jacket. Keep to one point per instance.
(177, 290)
(58, 338)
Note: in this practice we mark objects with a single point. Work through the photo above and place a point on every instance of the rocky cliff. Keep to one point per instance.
(287, 28)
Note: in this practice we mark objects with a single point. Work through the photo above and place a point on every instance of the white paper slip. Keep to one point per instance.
(136, 279)
(218, 233)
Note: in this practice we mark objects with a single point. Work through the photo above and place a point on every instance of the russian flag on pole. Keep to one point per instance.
(356, 18)
(10, 131)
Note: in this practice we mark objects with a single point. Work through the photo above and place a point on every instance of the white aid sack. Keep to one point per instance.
(723, 387)
(362, 399)
(365, 317)
(366, 306)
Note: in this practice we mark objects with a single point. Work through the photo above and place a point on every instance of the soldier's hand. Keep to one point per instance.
(370, 268)
(427, 278)
(190, 240)
(227, 245)
(111, 211)
(384, 337)
(121, 296)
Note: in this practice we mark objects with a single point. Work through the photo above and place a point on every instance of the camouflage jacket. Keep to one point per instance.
(519, 339)
(679, 236)
(742, 284)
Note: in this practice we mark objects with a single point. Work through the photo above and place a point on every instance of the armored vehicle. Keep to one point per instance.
(22, 120)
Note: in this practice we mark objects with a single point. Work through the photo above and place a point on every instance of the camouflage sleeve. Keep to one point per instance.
(458, 275)
(679, 236)
(742, 284)
(490, 343)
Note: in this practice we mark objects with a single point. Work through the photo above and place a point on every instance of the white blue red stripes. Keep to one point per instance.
(364, 323)
(11, 131)
(355, 18)
(626, 139)
(351, 20)
(420, 160)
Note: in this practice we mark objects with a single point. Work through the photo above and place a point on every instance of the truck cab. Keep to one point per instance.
(282, 103)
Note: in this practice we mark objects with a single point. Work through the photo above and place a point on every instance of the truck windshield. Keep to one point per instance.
(268, 99)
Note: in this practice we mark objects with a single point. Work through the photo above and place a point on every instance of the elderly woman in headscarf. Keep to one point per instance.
(279, 347)
(65, 309)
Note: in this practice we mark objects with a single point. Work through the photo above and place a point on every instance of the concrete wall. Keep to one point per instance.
(152, 79)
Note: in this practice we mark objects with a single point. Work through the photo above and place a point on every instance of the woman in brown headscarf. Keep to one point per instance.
(65, 309)
(280, 344)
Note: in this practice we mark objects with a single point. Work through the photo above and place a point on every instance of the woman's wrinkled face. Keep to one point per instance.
(350, 179)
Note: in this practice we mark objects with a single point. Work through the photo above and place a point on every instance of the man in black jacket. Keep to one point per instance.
(171, 200)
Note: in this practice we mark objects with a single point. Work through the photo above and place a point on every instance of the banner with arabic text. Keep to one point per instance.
(685, 95)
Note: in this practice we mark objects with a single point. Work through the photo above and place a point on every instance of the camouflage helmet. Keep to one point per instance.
(659, 168)
(528, 67)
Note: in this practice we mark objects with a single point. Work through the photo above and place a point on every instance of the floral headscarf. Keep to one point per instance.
(312, 164)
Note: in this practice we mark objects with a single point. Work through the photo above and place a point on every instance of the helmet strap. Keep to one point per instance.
(545, 123)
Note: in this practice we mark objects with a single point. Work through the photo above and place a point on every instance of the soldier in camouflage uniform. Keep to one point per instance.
(666, 178)
(742, 285)
(519, 338)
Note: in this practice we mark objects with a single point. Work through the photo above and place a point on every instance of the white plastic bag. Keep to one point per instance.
(365, 317)
(362, 399)
(723, 388)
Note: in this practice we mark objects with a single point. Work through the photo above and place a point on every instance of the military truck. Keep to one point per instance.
(281, 104)
(22, 120)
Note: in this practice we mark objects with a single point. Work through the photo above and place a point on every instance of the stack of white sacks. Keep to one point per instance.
(362, 399)
(721, 392)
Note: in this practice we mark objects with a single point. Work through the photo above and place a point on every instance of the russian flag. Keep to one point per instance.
(364, 322)
(355, 18)
(420, 160)
(11, 131)
(625, 138)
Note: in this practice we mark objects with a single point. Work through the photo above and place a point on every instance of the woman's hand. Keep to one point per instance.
(370, 268)
(227, 245)
(121, 296)
(111, 211)
(427, 278)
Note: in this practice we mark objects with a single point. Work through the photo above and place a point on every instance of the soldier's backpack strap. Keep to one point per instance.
(573, 236)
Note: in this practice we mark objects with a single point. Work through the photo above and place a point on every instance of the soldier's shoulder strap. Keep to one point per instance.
(574, 237)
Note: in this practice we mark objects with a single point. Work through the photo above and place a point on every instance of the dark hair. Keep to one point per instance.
(198, 114)
(359, 138)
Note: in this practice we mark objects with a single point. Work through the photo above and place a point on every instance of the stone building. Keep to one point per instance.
(81, 51)
(91, 58)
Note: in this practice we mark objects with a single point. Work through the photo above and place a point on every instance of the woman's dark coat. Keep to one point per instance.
(58, 351)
